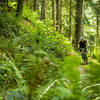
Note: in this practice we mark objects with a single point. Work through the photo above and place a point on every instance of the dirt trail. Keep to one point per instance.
(83, 74)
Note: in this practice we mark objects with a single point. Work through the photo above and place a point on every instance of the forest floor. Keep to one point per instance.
(83, 73)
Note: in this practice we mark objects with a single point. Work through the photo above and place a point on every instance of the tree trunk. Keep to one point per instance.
(43, 9)
(53, 12)
(26, 1)
(67, 20)
(57, 15)
(35, 5)
(19, 7)
(78, 22)
(30, 96)
(70, 14)
(97, 23)
(83, 22)
(60, 16)
(97, 19)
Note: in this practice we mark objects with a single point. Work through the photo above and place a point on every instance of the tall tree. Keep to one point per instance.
(35, 5)
(43, 15)
(70, 14)
(26, 1)
(98, 16)
(97, 21)
(78, 21)
(53, 12)
(57, 15)
(67, 21)
(19, 7)
(60, 17)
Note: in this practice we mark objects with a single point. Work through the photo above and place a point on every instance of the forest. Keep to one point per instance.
(49, 49)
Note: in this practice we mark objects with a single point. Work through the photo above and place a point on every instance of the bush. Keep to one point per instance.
(35, 57)
(9, 26)
(92, 91)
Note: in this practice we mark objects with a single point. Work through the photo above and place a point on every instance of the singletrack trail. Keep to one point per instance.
(83, 74)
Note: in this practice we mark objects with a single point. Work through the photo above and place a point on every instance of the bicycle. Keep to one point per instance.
(83, 52)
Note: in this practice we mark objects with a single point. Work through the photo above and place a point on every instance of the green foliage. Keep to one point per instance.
(37, 61)
(96, 52)
(33, 59)
(92, 91)
(70, 67)
(12, 4)
(94, 71)
(67, 86)
(8, 25)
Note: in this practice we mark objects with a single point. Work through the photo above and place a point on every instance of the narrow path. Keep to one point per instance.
(83, 74)
(82, 70)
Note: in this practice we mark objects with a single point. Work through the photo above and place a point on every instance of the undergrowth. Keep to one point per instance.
(36, 62)
(92, 85)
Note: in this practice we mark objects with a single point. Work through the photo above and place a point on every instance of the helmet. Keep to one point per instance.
(81, 38)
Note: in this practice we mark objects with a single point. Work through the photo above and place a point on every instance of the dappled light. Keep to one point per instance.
(49, 49)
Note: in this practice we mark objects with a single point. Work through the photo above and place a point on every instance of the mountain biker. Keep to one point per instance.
(83, 49)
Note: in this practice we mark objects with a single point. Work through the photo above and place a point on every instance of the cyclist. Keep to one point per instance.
(83, 50)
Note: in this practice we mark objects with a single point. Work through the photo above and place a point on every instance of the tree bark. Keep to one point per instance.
(98, 16)
(57, 15)
(67, 20)
(97, 21)
(53, 12)
(60, 16)
(35, 5)
(30, 96)
(19, 7)
(26, 1)
(43, 9)
(78, 22)
(70, 14)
